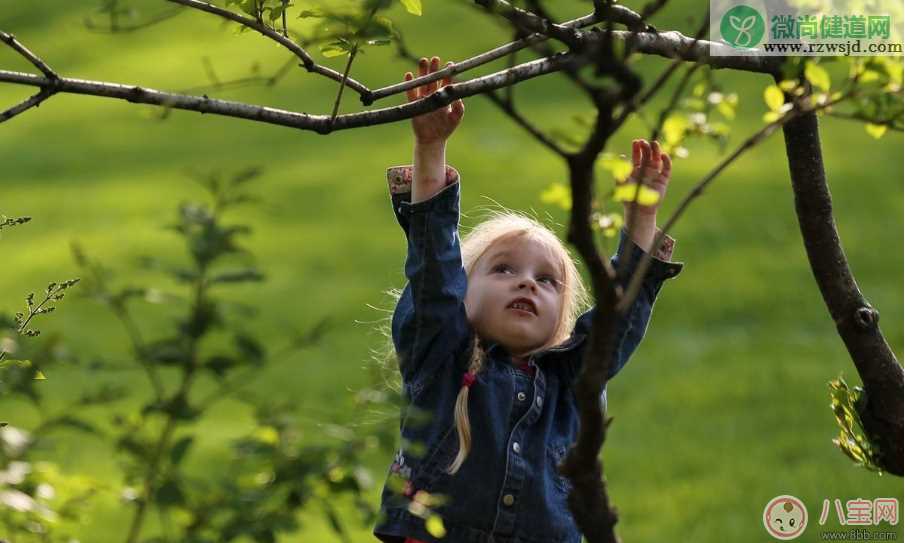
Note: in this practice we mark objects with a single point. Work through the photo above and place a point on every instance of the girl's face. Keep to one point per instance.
(513, 269)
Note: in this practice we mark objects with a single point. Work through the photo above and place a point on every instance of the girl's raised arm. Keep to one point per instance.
(631, 328)
(430, 326)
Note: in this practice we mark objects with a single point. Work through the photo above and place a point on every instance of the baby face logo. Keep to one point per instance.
(785, 517)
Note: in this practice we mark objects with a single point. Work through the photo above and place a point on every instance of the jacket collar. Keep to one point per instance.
(491, 347)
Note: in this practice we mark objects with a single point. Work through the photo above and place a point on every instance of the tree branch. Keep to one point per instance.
(529, 21)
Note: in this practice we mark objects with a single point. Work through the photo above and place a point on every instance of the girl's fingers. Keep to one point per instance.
(434, 66)
(411, 94)
(655, 155)
(667, 167)
(458, 109)
(636, 155)
(448, 79)
(422, 67)
(645, 155)
(422, 70)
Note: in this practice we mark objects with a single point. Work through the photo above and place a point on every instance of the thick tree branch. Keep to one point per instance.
(318, 123)
(588, 500)
(668, 44)
(857, 322)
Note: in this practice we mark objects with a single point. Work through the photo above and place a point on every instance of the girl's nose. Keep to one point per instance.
(527, 282)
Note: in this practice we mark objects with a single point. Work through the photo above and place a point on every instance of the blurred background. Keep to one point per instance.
(724, 406)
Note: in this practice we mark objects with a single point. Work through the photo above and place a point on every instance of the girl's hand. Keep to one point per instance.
(436, 126)
(655, 175)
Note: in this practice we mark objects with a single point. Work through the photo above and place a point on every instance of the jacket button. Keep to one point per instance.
(539, 401)
(521, 396)
(508, 499)
(516, 447)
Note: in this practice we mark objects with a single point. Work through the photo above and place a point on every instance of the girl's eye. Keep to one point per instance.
(501, 267)
(549, 280)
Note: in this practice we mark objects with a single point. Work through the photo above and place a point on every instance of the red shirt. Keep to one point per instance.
(527, 369)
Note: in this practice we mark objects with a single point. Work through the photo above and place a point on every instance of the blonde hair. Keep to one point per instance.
(503, 225)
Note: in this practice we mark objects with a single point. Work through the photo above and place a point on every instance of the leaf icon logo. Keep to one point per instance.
(742, 26)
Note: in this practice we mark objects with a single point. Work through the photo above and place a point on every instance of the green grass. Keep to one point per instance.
(723, 407)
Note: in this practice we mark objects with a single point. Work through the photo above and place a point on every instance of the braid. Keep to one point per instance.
(463, 427)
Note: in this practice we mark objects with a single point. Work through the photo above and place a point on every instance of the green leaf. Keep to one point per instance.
(557, 194)
(875, 130)
(434, 526)
(237, 276)
(219, 364)
(852, 441)
(267, 434)
(674, 128)
(334, 49)
(248, 6)
(625, 192)
(305, 13)
(817, 76)
(276, 13)
(619, 167)
(75, 423)
(250, 348)
(412, 6)
(774, 97)
(177, 453)
(726, 109)
(170, 494)
(12, 362)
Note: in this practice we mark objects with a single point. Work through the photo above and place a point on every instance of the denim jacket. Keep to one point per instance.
(508, 489)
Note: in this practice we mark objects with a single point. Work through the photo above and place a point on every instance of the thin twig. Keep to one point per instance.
(11, 40)
(893, 123)
(268, 32)
(522, 121)
(339, 94)
(117, 29)
(34, 101)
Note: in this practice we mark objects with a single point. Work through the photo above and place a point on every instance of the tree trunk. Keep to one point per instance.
(856, 320)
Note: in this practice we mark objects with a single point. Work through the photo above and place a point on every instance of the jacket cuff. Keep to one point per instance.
(399, 182)
(661, 266)
(399, 178)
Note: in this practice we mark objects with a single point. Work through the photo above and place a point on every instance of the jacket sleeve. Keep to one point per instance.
(430, 327)
(631, 327)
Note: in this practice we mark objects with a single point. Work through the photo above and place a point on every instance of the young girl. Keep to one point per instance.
(490, 338)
